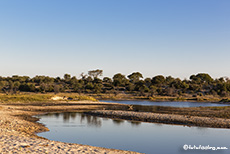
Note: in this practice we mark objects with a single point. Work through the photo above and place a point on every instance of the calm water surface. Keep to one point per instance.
(172, 104)
(135, 136)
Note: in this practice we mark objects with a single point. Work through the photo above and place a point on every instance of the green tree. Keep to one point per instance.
(107, 84)
(97, 80)
(73, 80)
(89, 86)
(170, 91)
(148, 82)
(3, 85)
(204, 77)
(67, 77)
(158, 80)
(57, 88)
(107, 80)
(169, 80)
(97, 88)
(119, 80)
(16, 86)
(79, 87)
(27, 87)
(201, 78)
(135, 77)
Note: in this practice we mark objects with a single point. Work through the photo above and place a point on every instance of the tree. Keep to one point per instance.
(89, 86)
(16, 86)
(78, 87)
(170, 91)
(83, 76)
(97, 80)
(67, 77)
(56, 88)
(43, 88)
(95, 73)
(3, 85)
(141, 87)
(135, 77)
(107, 83)
(169, 80)
(107, 80)
(42, 79)
(177, 83)
(73, 80)
(130, 87)
(28, 87)
(204, 77)
(11, 87)
(57, 80)
(20, 78)
(148, 82)
(201, 77)
(159, 79)
(97, 88)
(88, 79)
(119, 80)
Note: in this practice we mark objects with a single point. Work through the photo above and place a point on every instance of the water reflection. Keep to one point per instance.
(141, 108)
(95, 121)
(69, 117)
(134, 123)
(118, 122)
(92, 121)
(127, 135)
(56, 115)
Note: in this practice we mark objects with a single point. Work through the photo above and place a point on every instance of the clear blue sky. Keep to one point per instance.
(168, 37)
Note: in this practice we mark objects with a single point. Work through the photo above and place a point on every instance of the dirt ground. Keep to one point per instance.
(18, 129)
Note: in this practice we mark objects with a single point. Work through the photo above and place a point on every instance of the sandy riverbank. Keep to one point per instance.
(164, 118)
(18, 128)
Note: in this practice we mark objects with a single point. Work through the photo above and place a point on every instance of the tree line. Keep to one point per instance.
(91, 83)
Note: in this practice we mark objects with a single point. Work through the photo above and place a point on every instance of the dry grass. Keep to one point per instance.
(24, 97)
(77, 97)
(33, 97)
(184, 97)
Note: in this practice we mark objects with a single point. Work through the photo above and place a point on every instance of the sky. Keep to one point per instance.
(154, 37)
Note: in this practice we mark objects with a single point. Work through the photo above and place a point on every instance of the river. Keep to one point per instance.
(135, 136)
(170, 104)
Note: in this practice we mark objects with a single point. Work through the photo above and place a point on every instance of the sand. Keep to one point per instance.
(18, 132)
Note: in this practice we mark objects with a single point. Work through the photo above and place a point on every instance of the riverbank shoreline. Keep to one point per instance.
(18, 129)
(18, 126)
(185, 120)
(160, 98)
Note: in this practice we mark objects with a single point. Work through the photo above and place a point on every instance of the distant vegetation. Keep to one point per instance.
(34, 97)
(134, 84)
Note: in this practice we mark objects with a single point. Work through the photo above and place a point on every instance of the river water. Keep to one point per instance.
(171, 104)
(135, 136)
